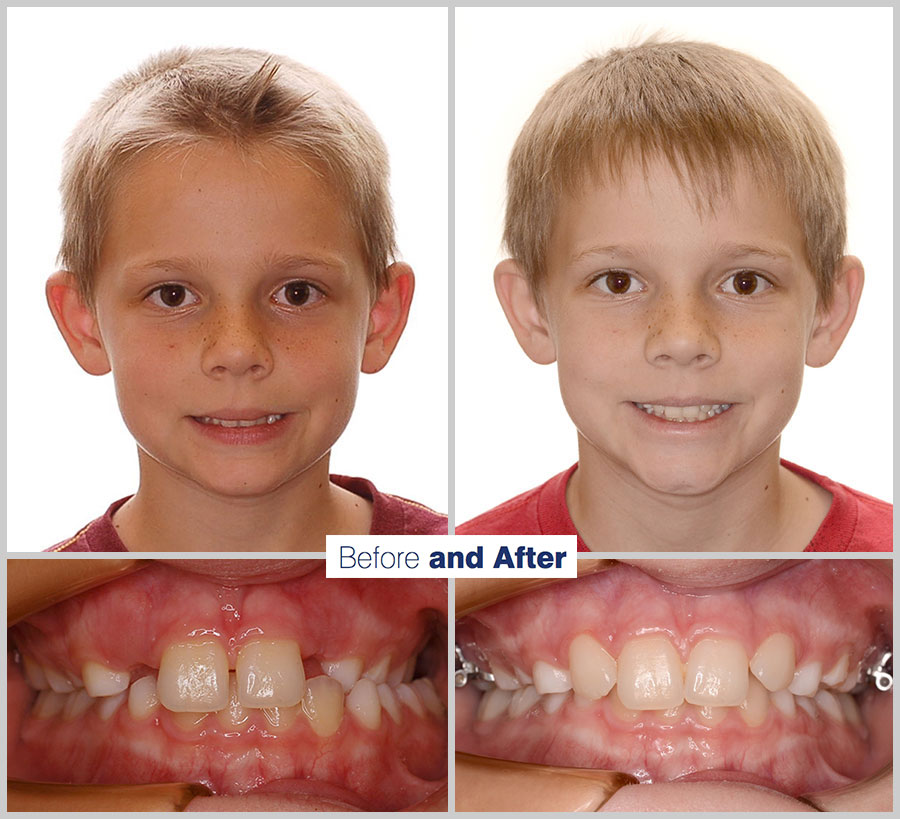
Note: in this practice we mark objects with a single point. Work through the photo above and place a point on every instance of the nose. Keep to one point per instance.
(681, 331)
(236, 343)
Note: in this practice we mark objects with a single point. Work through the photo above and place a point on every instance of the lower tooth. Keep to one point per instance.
(408, 696)
(784, 701)
(323, 705)
(188, 720)
(429, 696)
(808, 704)
(493, 704)
(755, 708)
(829, 703)
(281, 718)
(142, 698)
(523, 701)
(48, 704)
(76, 704)
(711, 714)
(389, 702)
(851, 709)
(551, 703)
(806, 680)
(234, 715)
(107, 706)
(34, 673)
(363, 704)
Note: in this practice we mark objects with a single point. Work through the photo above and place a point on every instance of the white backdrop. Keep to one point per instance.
(512, 431)
(69, 454)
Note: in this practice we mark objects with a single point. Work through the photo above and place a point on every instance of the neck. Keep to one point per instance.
(171, 513)
(760, 507)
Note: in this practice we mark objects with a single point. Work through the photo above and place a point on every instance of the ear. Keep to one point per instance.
(77, 323)
(388, 316)
(523, 312)
(833, 322)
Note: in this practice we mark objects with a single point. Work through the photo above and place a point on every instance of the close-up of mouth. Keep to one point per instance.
(265, 687)
(684, 414)
(241, 427)
(774, 673)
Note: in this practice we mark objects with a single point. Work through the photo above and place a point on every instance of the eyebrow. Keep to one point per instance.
(279, 263)
(728, 249)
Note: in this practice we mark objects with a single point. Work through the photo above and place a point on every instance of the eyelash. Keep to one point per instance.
(312, 295)
(602, 283)
(760, 279)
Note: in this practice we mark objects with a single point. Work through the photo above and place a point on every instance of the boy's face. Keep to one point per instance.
(231, 289)
(651, 305)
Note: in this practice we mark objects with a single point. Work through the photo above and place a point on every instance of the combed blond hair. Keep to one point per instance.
(704, 109)
(250, 98)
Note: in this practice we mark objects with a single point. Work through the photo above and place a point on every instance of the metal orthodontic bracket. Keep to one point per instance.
(466, 671)
(880, 671)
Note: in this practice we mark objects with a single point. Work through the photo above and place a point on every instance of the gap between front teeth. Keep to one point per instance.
(194, 682)
(701, 412)
(220, 422)
(650, 676)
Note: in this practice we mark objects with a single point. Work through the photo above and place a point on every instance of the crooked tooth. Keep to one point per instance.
(58, 681)
(389, 702)
(76, 704)
(806, 679)
(716, 673)
(346, 670)
(34, 674)
(408, 696)
(108, 706)
(193, 677)
(270, 674)
(548, 679)
(774, 662)
(493, 704)
(101, 681)
(378, 672)
(649, 675)
(143, 699)
(808, 704)
(234, 714)
(323, 705)
(755, 707)
(592, 667)
(425, 689)
(851, 709)
(785, 702)
(48, 704)
(838, 673)
(504, 679)
(551, 703)
(363, 704)
(829, 703)
(523, 701)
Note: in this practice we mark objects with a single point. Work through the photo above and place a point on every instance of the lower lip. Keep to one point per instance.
(683, 427)
(243, 436)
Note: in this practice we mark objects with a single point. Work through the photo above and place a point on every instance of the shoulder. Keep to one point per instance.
(856, 522)
(392, 514)
(99, 535)
(539, 511)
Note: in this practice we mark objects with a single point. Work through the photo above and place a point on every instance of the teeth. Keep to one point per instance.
(808, 704)
(709, 714)
(806, 679)
(593, 669)
(34, 673)
(649, 674)
(504, 679)
(346, 671)
(493, 704)
(408, 696)
(755, 708)
(523, 701)
(188, 720)
(76, 704)
(838, 673)
(551, 703)
(684, 414)
(784, 701)
(523, 676)
(829, 703)
(194, 677)
(108, 706)
(48, 704)
(363, 704)
(389, 702)
(378, 672)
(234, 714)
(323, 704)
(143, 699)
(774, 663)
(100, 681)
(549, 679)
(220, 422)
(270, 674)
(619, 709)
(425, 689)
(716, 673)
(58, 681)
(280, 718)
(851, 709)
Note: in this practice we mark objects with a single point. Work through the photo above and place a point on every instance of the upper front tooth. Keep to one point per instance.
(839, 672)
(649, 674)
(270, 674)
(58, 681)
(100, 681)
(716, 673)
(774, 662)
(378, 672)
(806, 679)
(323, 704)
(504, 679)
(143, 698)
(549, 679)
(193, 677)
(593, 668)
(234, 715)
(674, 413)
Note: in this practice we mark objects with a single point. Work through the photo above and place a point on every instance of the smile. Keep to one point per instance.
(244, 689)
(615, 671)
(685, 415)
(257, 422)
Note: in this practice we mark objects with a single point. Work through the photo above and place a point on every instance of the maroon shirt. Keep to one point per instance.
(391, 515)
(856, 522)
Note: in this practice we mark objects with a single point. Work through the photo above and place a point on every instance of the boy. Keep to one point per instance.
(676, 219)
(227, 245)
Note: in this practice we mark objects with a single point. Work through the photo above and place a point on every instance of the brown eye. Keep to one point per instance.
(616, 282)
(172, 295)
(746, 283)
(298, 294)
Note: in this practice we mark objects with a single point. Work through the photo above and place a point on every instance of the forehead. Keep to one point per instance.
(212, 201)
(653, 209)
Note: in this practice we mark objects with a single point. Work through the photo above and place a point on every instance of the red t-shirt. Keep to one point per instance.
(855, 522)
(391, 515)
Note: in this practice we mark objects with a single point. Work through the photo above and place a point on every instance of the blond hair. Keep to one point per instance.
(250, 98)
(702, 108)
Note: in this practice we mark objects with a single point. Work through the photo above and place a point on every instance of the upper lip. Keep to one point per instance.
(690, 401)
(250, 414)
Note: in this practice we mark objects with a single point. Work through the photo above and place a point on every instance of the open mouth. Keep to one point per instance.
(618, 671)
(684, 415)
(328, 690)
(231, 424)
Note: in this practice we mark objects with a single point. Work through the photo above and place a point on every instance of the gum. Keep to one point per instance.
(128, 623)
(827, 606)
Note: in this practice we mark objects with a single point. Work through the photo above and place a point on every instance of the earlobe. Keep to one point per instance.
(388, 316)
(833, 322)
(523, 312)
(77, 323)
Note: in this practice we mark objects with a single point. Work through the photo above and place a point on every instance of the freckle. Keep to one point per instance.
(782, 392)
(765, 487)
